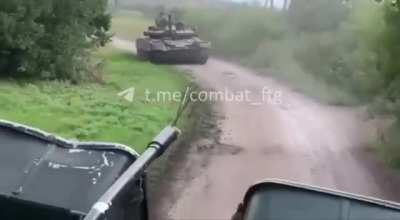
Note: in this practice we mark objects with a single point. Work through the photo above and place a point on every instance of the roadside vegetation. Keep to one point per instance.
(341, 54)
(51, 39)
(270, 42)
(93, 111)
(57, 75)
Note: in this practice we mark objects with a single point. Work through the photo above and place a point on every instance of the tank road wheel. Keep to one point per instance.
(156, 57)
(142, 54)
(202, 57)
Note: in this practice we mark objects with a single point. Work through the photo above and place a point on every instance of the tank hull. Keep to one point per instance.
(173, 52)
(183, 56)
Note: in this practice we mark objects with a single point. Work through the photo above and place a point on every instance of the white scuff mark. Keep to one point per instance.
(57, 165)
(37, 161)
(101, 207)
(73, 151)
(19, 190)
(84, 168)
(105, 159)
(94, 171)
(75, 145)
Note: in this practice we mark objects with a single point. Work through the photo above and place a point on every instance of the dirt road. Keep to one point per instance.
(274, 133)
(277, 133)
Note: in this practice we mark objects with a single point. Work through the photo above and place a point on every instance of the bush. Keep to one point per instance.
(322, 39)
(50, 38)
(235, 37)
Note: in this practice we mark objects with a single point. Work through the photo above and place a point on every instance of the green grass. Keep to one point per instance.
(319, 90)
(91, 111)
(129, 25)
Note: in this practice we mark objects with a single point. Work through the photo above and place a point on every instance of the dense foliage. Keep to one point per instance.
(350, 46)
(388, 47)
(50, 38)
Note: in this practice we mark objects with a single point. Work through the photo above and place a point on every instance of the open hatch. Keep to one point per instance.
(283, 200)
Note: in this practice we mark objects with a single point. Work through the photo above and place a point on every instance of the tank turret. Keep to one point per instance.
(172, 42)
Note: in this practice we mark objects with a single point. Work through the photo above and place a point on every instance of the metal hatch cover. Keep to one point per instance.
(41, 168)
(275, 199)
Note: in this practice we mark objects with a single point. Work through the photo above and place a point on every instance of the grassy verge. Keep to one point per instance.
(91, 111)
(312, 87)
(388, 146)
(129, 25)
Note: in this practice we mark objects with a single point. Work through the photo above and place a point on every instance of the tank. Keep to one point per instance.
(173, 44)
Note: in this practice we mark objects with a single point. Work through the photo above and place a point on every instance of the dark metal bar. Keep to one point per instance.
(155, 149)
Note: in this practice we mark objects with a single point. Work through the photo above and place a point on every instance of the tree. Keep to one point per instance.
(51, 38)
(312, 15)
(388, 50)
(286, 4)
(269, 3)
